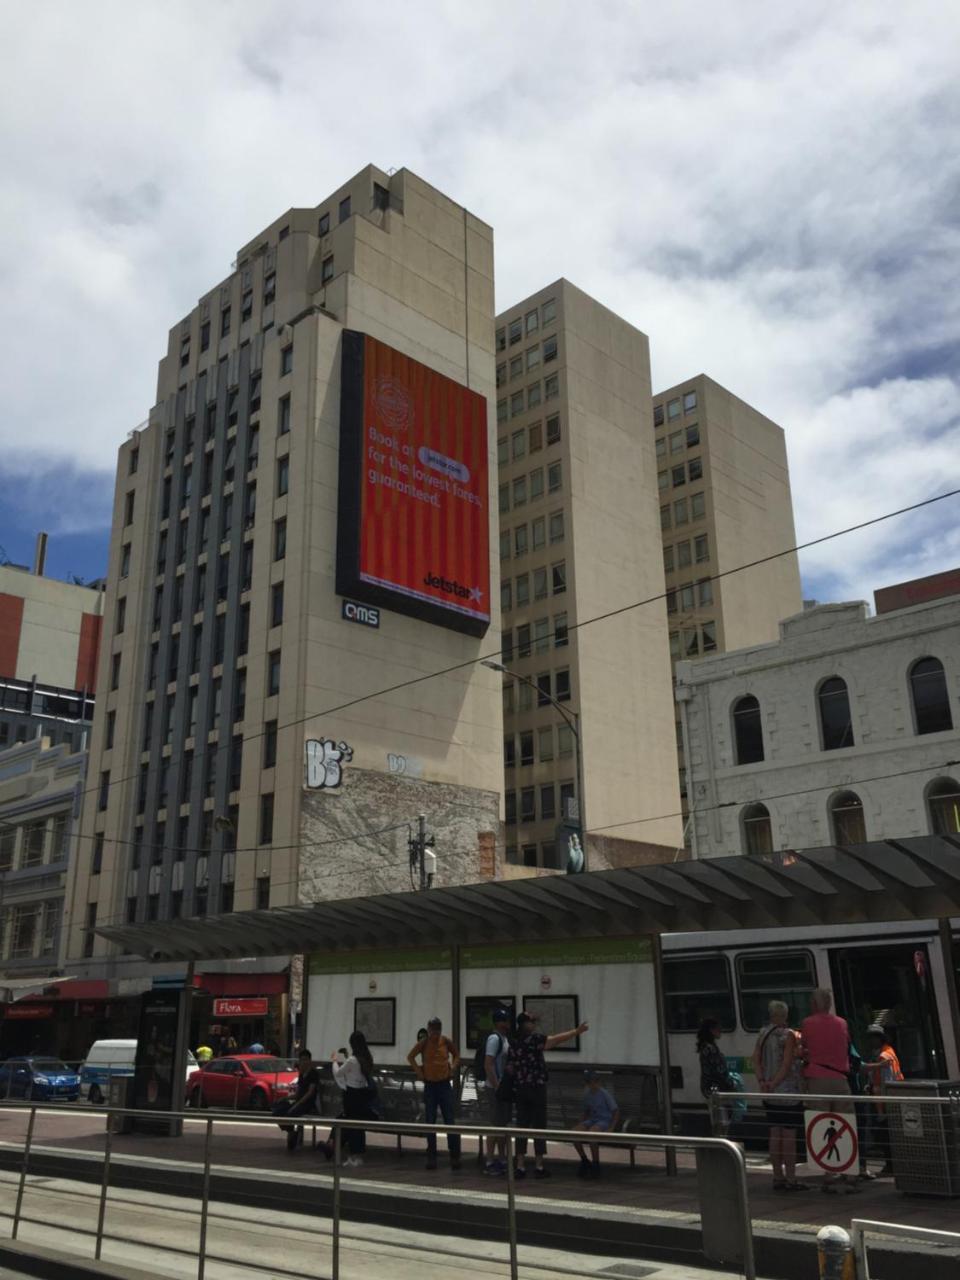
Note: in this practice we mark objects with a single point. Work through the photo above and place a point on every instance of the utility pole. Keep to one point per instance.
(423, 861)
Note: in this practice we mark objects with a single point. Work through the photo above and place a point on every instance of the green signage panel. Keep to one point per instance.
(328, 962)
(515, 955)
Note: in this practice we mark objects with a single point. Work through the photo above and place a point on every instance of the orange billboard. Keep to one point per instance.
(413, 525)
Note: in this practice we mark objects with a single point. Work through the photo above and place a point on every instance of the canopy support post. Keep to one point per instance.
(656, 957)
(950, 974)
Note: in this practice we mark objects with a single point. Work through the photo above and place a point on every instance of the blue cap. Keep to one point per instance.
(501, 1015)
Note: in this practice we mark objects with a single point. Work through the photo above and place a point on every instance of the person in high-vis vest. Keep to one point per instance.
(882, 1068)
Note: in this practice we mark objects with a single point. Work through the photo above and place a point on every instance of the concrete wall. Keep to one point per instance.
(49, 629)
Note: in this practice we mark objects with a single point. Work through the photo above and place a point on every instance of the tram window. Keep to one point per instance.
(787, 975)
(697, 988)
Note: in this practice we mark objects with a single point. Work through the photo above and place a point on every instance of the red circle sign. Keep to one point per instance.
(832, 1142)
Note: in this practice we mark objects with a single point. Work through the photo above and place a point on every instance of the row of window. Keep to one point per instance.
(535, 638)
(525, 804)
(529, 360)
(928, 695)
(673, 407)
(537, 318)
(690, 595)
(552, 581)
(518, 543)
(682, 554)
(545, 855)
(682, 511)
(690, 642)
(678, 440)
(696, 987)
(34, 844)
(678, 476)
(530, 487)
(522, 401)
(220, 902)
(846, 817)
(541, 745)
(30, 930)
(516, 445)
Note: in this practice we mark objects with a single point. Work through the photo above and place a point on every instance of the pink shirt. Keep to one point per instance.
(827, 1043)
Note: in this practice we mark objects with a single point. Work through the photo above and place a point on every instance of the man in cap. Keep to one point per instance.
(438, 1063)
(882, 1069)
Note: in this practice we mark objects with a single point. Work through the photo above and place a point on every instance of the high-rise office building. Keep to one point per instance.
(303, 523)
(579, 539)
(724, 502)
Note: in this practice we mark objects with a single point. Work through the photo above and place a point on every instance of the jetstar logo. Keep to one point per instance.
(452, 588)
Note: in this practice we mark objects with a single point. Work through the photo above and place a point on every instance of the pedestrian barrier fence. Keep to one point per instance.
(722, 1175)
(910, 1132)
(860, 1228)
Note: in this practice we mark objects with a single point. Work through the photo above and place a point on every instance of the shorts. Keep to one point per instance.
(493, 1110)
(784, 1114)
(836, 1087)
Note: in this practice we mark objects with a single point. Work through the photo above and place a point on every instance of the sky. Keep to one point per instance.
(772, 193)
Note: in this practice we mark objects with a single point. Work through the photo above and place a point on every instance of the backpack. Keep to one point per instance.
(480, 1057)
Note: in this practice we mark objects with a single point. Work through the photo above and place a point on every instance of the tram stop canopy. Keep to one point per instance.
(890, 880)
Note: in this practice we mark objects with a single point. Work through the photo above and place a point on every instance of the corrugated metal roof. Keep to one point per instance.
(911, 879)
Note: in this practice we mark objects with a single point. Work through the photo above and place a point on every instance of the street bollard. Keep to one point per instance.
(835, 1254)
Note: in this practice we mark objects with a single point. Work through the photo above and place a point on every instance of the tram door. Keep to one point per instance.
(892, 985)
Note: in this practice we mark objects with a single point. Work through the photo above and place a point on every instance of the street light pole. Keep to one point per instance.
(573, 721)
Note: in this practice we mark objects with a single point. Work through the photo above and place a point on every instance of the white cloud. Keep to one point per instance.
(769, 193)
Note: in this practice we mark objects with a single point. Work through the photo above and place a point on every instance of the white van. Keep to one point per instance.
(112, 1060)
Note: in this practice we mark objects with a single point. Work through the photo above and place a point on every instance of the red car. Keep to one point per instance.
(253, 1080)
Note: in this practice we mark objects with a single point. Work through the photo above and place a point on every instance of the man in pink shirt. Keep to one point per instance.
(826, 1048)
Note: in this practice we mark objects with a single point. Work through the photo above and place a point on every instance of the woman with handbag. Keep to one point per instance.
(355, 1078)
(777, 1065)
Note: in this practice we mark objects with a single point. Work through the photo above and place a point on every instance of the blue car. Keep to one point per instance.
(38, 1079)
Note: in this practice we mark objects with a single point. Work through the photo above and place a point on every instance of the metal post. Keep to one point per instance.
(455, 993)
(205, 1203)
(23, 1171)
(581, 801)
(107, 1151)
(656, 956)
(422, 849)
(511, 1205)
(950, 973)
(337, 1147)
(179, 1081)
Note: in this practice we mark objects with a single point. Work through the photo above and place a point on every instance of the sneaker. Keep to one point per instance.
(541, 1173)
(519, 1173)
(353, 1162)
(495, 1169)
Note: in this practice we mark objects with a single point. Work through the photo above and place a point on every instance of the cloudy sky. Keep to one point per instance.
(771, 192)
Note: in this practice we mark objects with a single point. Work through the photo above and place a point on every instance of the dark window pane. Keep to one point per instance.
(835, 723)
(748, 731)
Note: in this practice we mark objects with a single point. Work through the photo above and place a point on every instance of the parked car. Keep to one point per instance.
(112, 1060)
(38, 1078)
(253, 1080)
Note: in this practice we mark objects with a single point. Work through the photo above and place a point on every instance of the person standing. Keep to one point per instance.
(497, 1109)
(777, 1066)
(882, 1069)
(304, 1101)
(826, 1044)
(528, 1069)
(715, 1075)
(439, 1061)
(354, 1075)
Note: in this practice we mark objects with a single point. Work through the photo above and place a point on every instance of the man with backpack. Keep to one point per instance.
(439, 1060)
(488, 1066)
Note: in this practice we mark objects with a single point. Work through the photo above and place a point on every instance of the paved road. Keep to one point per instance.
(159, 1234)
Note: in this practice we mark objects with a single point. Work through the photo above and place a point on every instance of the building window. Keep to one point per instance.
(515, 331)
(266, 818)
(532, 321)
(559, 576)
(562, 686)
(283, 476)
(246, 305)
(538, 527)
(663, 480)
(693, 437)
(680, 511)
(533, 357)
(554, 477)
(658, 415)
(705, 591)
(506, 596)
(263, 893)
(673, 410)
(326, 270)
(528, 804)
(205, 335)
(516, 366)
(323, 226)
(344, 211)
(701, 548)
(526, 747)
(381, 197)
(269, 288)
(115, 671)
(34, 838)
(501, 410)
(709, 632)
(548, 801)
(556, 526)
(943, 801)
(286, 359)
(96, 865)
(104, 796)
(697, 506)
(931, 703)
(276, 604)
(757, 830)
(269, 744)
(553, 429)
(523, 590)
(533, 396)
(549, 311)
(279, 539)
(125, 560)
(283, 416)
(689, 401)
(695, 469)
(748, 730)
(503, 496)
(536, 483)
(678, 476)
(551, 387)
(516, 404)
(519, 491)
(561, 635)
(846, 819)
(224, 322)
(273, 673)
(523, 649)
(665, 521)
(520, 540)
(284, 232)
(549, 350)
(836, 725)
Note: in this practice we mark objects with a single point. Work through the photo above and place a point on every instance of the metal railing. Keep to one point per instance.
(714, 1146)
(860, 1227)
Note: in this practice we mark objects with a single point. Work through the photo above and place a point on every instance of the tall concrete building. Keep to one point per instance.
(725, 501)
(259, 597)
(579, 539)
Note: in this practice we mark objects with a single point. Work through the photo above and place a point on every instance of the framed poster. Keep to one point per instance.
(376, 1017)
(553, 1014)
(480, 1011)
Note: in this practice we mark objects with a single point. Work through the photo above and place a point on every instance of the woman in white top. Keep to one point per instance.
(355, 1078)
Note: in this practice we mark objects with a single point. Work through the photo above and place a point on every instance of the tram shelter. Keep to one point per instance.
(882, 881)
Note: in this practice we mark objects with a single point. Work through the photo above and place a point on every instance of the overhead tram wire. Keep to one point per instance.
(578, 626)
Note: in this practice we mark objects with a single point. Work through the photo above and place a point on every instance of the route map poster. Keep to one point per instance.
(413, 525)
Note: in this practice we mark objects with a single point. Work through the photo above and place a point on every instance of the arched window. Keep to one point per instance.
(943, 799)
(747, 730)
(836, 726)
(931, 705)
(757, 831)
(846, 819)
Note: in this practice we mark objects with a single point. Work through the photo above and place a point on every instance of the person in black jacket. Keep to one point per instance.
(714, 1074)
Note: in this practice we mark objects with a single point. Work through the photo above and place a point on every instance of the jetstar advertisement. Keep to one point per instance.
(413, 531)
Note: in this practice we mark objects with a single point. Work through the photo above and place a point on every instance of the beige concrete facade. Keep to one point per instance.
(48, 629)
(394, 258)
(579, 539)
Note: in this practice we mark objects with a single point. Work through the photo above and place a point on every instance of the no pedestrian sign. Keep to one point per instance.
(831, 1140)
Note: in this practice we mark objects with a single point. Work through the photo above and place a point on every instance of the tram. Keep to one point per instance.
(895, 975)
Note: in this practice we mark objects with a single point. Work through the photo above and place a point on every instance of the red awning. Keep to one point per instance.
(243, 984)
(89, 989)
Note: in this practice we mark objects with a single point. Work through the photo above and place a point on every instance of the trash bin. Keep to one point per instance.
(925, 1137)
(120, 1094)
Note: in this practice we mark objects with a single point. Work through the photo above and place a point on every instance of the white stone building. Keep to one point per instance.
(845, 731)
